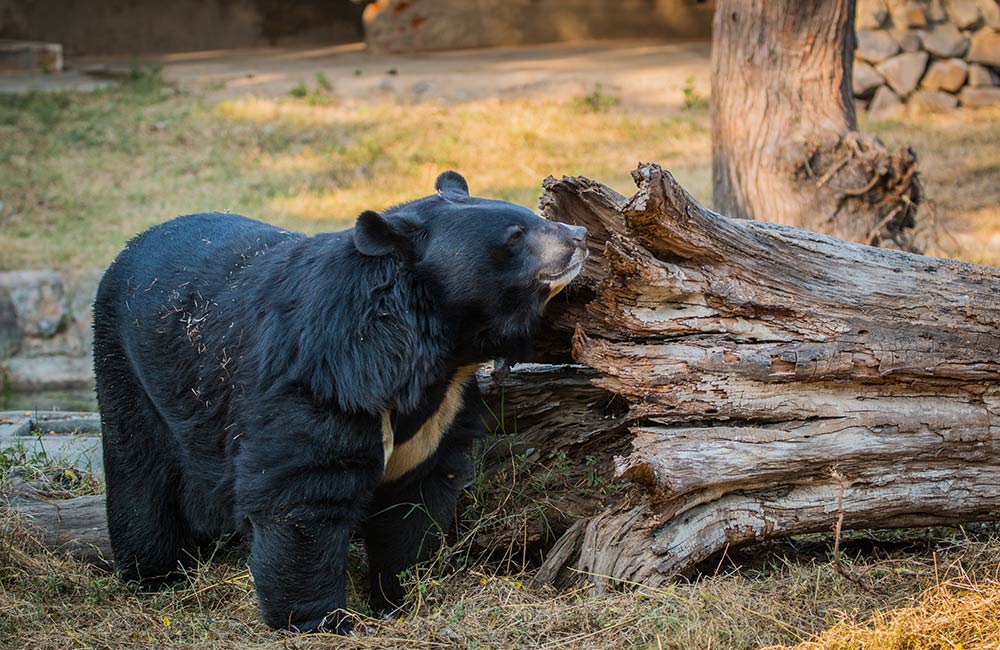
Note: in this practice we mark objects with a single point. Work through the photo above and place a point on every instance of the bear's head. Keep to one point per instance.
(490, 266)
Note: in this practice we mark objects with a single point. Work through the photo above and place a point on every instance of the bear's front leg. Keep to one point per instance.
(298, 566)
(302, 495)
(408, 520)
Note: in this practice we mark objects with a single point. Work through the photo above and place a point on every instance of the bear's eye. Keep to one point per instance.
(515, 235)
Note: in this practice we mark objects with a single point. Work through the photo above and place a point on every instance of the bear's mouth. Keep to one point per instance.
(558, 281)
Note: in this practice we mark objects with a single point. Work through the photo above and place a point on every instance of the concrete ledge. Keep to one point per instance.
(65, 438)
(30, 56)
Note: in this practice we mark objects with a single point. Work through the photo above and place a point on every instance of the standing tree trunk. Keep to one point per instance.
(785, 144)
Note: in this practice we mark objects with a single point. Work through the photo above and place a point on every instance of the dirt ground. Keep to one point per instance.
(646, 75)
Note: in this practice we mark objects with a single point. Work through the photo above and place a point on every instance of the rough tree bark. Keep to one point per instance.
(750, 380)
(785, 140)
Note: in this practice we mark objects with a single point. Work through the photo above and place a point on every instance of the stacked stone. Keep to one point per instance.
(45, 329)
(933, 55)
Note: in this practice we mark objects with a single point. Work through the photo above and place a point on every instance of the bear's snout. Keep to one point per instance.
(564, 249)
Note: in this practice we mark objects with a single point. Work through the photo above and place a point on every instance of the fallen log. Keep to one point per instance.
(77, 526)
(777, 380)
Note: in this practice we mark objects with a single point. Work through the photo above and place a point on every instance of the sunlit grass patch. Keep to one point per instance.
(81, 173)
(962, 613)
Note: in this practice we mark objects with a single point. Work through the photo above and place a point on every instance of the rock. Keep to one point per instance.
(38, 301)
(909, 15)
(866, 79)
(909, 41)
(932, 101)
(875, 46)
(10, 332)
(871, 14)
(885, 103)
(936, 12)
(903, 71)
(990, 10)
(985, 48)
(948, 74)
(980, 97)
(945, 41)
(35, 374)
(964, 14)
(981, 77)
(424, 25)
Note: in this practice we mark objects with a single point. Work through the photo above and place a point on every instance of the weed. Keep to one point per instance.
(322, 82)
(596, 101)
(319, 96)
(693, 99)
(46, 475)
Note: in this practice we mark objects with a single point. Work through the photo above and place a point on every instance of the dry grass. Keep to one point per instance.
(47, 601)
(963, 613)
(959, 156)
(775, 595)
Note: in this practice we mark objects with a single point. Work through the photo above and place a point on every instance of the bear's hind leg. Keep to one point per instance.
(149, 535)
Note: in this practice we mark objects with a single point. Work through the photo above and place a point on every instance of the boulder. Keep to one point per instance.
(985, 48)
(981, 77)
(932, 101)
(903, 71)
(871, 14)
(909, 15)
(885, 103)
(38, 301)
(990, 9)
(980, 97)
(945, 41)
(936, 12)
(948, 74)
(875, 46)
(909, 41)
(866, 79)
(964, 14)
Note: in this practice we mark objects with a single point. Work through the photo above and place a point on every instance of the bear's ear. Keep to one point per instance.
(452, 183)
(374, 235)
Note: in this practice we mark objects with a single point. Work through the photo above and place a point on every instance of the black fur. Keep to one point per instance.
(242, 373)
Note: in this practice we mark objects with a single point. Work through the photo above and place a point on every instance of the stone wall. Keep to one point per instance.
(933, 55)
(420, 25)
(45, 329)
(141, 26)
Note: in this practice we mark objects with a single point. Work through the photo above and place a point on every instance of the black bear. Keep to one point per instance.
(299, 389)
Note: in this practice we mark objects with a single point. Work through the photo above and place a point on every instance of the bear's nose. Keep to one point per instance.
(578, 234)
